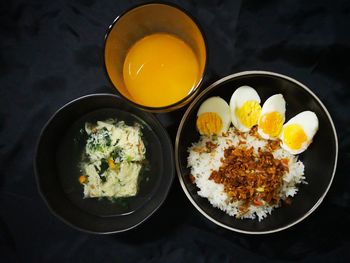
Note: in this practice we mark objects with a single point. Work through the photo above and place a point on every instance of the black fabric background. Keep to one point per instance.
(51, 52)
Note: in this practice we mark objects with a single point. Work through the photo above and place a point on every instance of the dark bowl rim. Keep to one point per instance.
(212, 86)
(38, 183)
(188, 97)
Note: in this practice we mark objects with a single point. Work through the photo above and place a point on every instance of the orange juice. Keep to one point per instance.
(159, 70)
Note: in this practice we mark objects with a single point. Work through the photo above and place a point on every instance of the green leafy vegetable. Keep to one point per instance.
(104, 166)
(117, 154)
(128, 158)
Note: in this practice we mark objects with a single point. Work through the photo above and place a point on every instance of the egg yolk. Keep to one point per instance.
(294, 136)
(271, 123)
(209, 123)
(249, 113)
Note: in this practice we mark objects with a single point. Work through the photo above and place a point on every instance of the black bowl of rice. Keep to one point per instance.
(204, 163)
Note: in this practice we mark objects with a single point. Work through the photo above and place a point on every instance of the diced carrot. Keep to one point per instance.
(82, 179)
(257, 202)
(285, 161)
(111, 163)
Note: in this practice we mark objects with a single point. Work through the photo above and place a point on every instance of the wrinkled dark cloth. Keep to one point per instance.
(52, 52)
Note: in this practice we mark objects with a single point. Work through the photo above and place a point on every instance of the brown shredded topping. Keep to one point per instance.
(271, 146)
(254, 131)
(288, 201)
(241, 134)
(209, 147)
(242, 142)
(254, 178)
(192, 178)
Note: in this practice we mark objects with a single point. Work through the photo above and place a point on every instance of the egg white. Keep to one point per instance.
(238, 98)
(309, 122)
(275, 103)
(220, 107)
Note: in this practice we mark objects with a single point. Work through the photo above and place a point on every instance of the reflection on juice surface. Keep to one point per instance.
(159, 70)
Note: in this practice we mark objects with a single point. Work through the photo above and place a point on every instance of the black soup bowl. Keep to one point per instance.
(319, 159)
(59, 153)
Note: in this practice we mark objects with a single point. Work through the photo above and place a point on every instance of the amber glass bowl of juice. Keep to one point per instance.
(155, 56)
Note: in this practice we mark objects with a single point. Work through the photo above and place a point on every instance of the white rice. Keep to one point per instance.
(202, 164)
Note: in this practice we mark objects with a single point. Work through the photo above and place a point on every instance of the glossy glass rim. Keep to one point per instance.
(188, 97)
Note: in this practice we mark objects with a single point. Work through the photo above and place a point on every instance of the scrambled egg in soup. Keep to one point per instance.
(112, 159)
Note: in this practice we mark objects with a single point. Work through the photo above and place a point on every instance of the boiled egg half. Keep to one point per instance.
(245, 108)
(213, 117)
(298, 132)
(272, 117)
